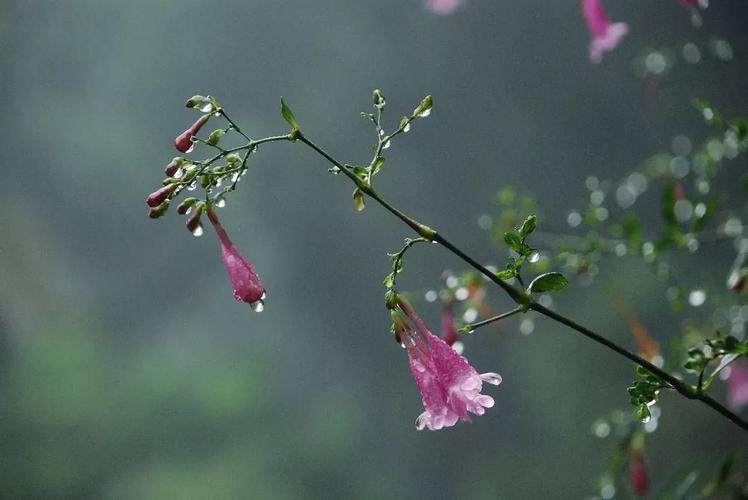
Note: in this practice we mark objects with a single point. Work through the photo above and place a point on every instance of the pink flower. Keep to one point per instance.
(183, 142)
(737, 386)
(444, 7)
(247, 285)
(638, 477)
(158, 197)
(605, 35)
(449, 386)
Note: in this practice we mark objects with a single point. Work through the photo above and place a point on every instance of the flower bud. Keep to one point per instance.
(638, 477)
(172, 167)
(378, 99)
(215, 136)
(185, 206)
(424, 109)
(157, 197)
(156, 212)
(183, 142)
(194, 101)
(193, 223)
(358, 199)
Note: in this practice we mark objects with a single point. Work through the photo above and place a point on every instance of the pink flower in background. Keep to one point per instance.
(449, 386)
(247, 285)
(605, 34)
(444, 7)
(690, 3)
(449, 330)
(737, 386)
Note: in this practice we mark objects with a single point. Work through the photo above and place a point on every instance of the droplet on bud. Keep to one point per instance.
(198, 230)
(406, 128)
(386, 145)
(221, 203)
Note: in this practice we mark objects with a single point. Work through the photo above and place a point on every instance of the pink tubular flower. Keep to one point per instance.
(737, 386)
(449, 386)
(444, 7)
(449, 330)
(158, 197)
(247, 285)
(638, 477)
(183, 142)
(605, 34)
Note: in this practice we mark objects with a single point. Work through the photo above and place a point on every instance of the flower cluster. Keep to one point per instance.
(450, 387)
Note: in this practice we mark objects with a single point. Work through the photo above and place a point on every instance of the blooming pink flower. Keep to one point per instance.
(449, 386)
(444, 7)
(605, 34)
(737, 386)
(183, 142)
(247, 285)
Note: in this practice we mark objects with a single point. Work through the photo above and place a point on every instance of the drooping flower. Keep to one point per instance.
(444, 7)
(737, 386)
(247, 285)
(450, 387)
(183, 142)
(605, 34)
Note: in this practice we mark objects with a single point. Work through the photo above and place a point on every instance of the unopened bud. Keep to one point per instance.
(193, 223)
(172, 167)
(358, 199)
(156, 198)
(204, 181)
(185, 206)
(378, 98)
(183, 142)
(424, 109)
(156, 212)
(638, 477)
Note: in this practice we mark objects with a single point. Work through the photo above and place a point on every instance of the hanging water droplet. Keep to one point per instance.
(189, 150)
(257, 305)
(386, 145)
(179, 173)
(406, 128)
(235, 177)
(425, 113)
(206, 107)
(221, 203)
(198, 231)
(189, 209)
(534, 257)
(192, 186)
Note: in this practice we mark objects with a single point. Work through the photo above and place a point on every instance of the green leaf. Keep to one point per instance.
(506, 274)
(287, 115)
(424, 109)
(514, 242)
(548, 282)
(528, 226)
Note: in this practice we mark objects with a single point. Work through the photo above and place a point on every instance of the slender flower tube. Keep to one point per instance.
(450, 387)
(737, 386)
(183, 142)
(449, 330)
(605, 34)
(247, 285)
(444, 7)
(638, 477)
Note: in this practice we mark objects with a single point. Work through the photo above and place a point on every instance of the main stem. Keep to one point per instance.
(524, 300)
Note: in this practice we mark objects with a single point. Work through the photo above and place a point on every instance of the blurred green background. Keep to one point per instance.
(128, 371)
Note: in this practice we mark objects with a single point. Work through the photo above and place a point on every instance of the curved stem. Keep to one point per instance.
(522, 299)
(470, 327)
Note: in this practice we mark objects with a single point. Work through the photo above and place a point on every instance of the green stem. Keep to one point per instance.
(470, 327)
(521, 298)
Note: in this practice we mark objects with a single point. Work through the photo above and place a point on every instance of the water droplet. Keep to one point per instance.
(257, 305)
(534, 257)
(189, 209)
(697, 297)
(198, 231)
(219, 181)
(206, 107)
(425, 113)
(386, 145)
(179, 173)
(189, 150)
(192, 186)
(221, 203)
(235, 177)
(406, 128)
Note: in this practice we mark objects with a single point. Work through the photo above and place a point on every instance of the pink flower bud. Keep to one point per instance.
(737, 386)
(605, 34)
(157, 197)
(173, 166)
(443, 7)
(183, 142)
(247, 285)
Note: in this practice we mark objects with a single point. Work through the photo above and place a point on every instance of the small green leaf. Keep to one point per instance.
(389, 281)
(506, 274)
(528, 226)
(424, 109)
(287, 115)
(514, 242)
(548, 282)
